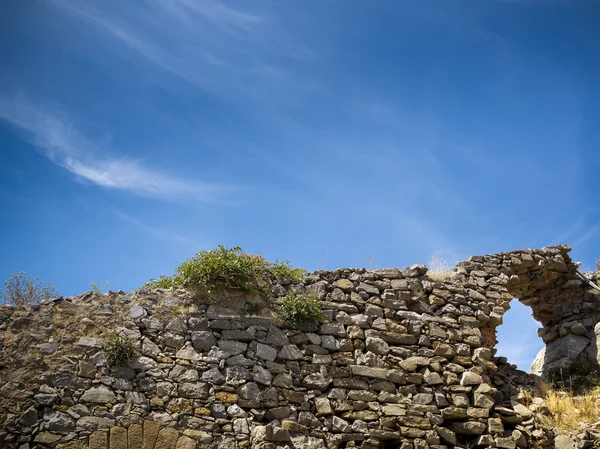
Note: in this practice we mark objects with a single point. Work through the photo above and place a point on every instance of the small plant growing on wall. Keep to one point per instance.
(96, 287)
(118, 349)
(21, 289)
(297, 308)
(439, 268)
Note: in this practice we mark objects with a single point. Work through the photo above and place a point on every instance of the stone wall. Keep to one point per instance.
(400, 359)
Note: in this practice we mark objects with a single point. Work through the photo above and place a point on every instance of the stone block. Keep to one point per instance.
(185, 443)
(118, 438)
(150, 434)
(167, 438)
(135, 437)
(99, 440)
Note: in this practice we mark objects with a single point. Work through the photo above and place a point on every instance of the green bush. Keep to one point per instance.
(286, 271)
(228, 268)
(300, 307)
(21, 289)
(163, 281)
(224, 267)
(118, 349)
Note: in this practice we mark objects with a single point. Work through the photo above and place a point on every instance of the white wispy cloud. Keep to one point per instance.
(206, 43)
(589, 233)
(216, 13)
(56, 138)
(163, 234)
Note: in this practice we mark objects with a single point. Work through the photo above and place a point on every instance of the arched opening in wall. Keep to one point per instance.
(517, 336)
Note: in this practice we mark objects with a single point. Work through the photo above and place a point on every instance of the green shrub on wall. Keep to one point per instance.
(297, 307)
(118, 349)
(231, 268)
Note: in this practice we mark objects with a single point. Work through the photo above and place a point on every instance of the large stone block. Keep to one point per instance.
(150, 434)
(167, 438)
(118, 438)
(99, 440)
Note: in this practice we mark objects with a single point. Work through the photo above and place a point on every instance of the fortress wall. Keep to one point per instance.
(399, 360)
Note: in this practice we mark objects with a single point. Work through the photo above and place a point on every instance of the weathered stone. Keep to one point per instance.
(213, 376)
(196, 390)
(118, 438)
(167, 438)
(278, 413)
(98, 440)
(90, 342)
(560, 354)
(470, 378)
(58, 422)
(94, 423)
(377, 346)
(412, 363)
(344, 284)
(276, 434)
(135, 439)
(151, 429)
(188, 353)
(323, 406)
(564, 442)
(291, 352)
(261, 375)
(468, 428)
(452, 412)
(340, 425)
(394, 410)
(316, 381)
(46, 438)
(232, 347)
(203, 340)
(235, 411)
(329, 342)
(505, 443)
(46, 399)
(276, 338)
(185, 442)
(366, 371)
(522, 410)
(265, 352)
(433, 378)
(368, 289)
(99, 395)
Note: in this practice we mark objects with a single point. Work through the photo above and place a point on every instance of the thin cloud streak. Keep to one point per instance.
(212, 11)
(588, 234)
(205, 43)
(156, 232)
(56, 138)
(124, 34)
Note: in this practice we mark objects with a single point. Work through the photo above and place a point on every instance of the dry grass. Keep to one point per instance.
(439, 268)
(569, 409)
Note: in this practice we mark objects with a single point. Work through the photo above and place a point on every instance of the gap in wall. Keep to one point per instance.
(517, 336)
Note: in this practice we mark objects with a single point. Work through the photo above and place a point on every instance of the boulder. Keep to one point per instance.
(561, 354)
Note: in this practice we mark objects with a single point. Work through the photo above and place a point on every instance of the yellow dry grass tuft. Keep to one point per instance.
(439, 268)
(569, 410)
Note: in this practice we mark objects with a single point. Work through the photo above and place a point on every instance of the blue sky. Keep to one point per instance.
(331, 133)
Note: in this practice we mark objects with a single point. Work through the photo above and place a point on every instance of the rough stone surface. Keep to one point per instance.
(399, 358)
(167, 438)
(150, 434)
(135, 439)
(99, 440)
(118, 438)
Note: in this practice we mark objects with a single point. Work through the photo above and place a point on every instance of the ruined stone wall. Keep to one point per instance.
(399, 360)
